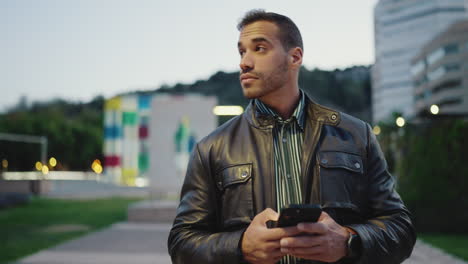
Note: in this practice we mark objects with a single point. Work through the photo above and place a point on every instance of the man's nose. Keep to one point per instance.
(246, 63)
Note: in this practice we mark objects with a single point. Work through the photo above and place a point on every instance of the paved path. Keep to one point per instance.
(138, 243)
(122, 243)
(426, 254)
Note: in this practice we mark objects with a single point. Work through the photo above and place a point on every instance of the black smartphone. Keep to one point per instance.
(294, 214)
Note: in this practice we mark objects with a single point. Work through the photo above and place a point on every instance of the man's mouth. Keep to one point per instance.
(247, 77)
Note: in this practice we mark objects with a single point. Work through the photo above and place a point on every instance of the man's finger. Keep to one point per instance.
(304, 251)
(271, 245)
(312, 228)
(301, 241)
(268, 214)
(280, 232)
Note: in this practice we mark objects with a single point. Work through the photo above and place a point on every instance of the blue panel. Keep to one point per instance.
(112, 132)
(144, 101)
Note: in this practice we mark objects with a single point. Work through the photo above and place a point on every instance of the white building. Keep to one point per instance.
(148, 137)
(402, 27)
(176, 124)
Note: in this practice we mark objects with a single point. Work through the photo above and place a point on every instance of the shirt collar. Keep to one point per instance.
(297, 115)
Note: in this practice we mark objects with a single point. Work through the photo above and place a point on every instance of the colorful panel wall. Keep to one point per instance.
(126, 130)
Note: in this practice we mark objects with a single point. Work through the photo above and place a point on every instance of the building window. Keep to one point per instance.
(436, 74)
(435, 56)
(452, 67)
(450, 101)
(418, 67)
(447, 86)
(451, 48)
(440, 71)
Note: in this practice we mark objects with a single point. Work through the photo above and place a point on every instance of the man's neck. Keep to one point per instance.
(283, 103)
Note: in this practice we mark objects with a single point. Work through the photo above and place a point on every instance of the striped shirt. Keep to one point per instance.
(288, 136)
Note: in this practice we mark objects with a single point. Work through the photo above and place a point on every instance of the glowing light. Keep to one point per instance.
(376, 130)
(141, 182)
(5, 163)
(38, 166)
(400, 121)
(228, 110)
(434, 109)
(96, 166)
(45, 170)
(52, 162)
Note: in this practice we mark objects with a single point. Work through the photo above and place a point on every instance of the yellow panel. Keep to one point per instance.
(129, 177)
(114, 103)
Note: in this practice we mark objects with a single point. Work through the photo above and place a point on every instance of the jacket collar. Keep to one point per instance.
(297, 116)
(314, 112)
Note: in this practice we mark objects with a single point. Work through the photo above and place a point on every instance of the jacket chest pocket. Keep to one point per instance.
(235, 186)
(341, 176)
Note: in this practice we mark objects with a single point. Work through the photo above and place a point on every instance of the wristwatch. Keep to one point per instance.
(354, 246)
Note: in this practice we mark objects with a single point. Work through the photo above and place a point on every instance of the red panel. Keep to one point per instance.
(112, 161)
(143, 132)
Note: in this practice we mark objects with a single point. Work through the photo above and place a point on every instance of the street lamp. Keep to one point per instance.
(434, 109)
(38, 166)
(227, 110)
(400, 121)
(53, 162)
(376, 130)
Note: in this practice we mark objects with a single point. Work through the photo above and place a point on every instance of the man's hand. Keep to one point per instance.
(262, 245)
(323, 241)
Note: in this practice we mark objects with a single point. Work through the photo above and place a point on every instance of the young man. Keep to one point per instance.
(287, 149)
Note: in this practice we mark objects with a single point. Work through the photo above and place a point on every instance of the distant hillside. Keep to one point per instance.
(347, 90)
(74, 130)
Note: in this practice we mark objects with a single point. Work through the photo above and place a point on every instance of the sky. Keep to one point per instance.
(79, 49)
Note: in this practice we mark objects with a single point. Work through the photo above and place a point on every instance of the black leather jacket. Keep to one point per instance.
(230, 179)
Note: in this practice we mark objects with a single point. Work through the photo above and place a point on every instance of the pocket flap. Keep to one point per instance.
(343, 160)
(233, 175)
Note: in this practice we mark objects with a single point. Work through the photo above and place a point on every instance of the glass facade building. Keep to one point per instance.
(440, 73)
(402, 28)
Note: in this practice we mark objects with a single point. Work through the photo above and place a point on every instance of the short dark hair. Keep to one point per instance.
(289, 34)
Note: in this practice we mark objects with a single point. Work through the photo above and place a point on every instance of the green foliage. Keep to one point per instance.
(453, 244)
(347, 90)
(74, 133)
(433, 176)
(24, 228)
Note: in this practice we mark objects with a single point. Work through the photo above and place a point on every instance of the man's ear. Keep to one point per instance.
(295, 54)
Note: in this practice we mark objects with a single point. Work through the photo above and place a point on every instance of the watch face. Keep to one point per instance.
(354, 246)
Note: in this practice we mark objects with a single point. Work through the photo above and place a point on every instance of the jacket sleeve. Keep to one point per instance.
(194, 237)
(388, 235)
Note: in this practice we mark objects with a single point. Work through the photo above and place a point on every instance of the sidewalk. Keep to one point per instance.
(122, 243)
(138, 243)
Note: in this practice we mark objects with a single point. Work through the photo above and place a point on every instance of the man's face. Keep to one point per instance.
(264, 62)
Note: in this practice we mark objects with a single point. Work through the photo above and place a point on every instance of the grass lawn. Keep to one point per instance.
(456, 245)
(43, 223)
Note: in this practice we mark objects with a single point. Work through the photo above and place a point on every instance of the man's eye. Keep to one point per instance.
(260, 48)
(241, 52)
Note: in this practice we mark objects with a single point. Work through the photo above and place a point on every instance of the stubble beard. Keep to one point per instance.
(269, 83)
